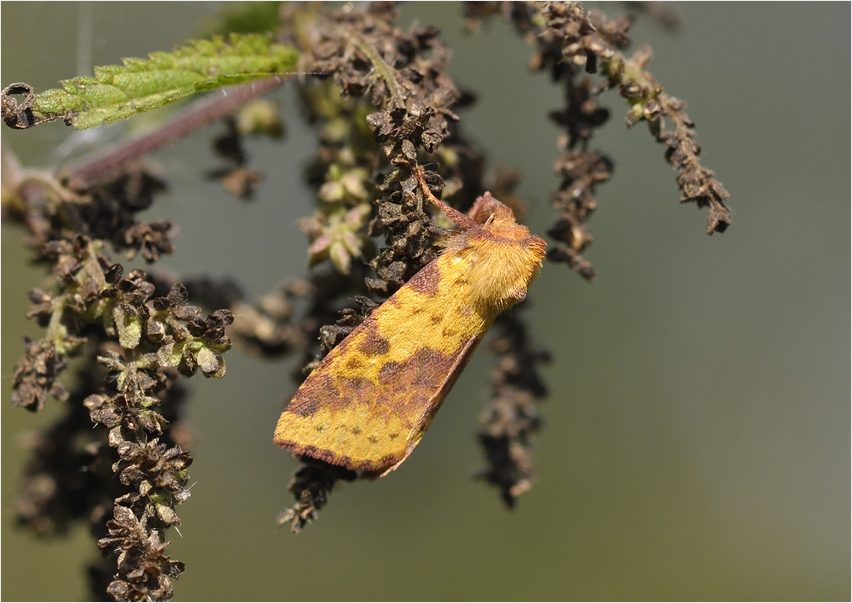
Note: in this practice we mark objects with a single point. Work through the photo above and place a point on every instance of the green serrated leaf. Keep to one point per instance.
(118, 92)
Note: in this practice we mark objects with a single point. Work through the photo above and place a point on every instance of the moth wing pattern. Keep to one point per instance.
(369, 401)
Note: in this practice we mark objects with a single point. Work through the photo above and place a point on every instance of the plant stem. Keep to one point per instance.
(107, 164)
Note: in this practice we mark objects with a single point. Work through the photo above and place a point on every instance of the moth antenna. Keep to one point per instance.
(462, 219)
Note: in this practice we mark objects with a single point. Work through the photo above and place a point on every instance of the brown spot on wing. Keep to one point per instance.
(373, 344)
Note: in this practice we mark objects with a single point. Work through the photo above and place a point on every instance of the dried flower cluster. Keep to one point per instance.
(511, 418)
(134, 470)
(572, 43)
(413, 95)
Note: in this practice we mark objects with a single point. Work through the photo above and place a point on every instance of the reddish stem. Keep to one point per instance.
(105, 165)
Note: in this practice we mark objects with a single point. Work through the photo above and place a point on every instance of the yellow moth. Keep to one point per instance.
(369, 401)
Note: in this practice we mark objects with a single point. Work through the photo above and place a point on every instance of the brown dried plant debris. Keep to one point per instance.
(590, 34)
(569, 41)
(511, 418)
(310, 486)
(143, 342)
(144, 570)
(75, 475)
(403, 74)
(581, 172)
(55, 214)
(271, 327)
(331, 335)
(35, 375)
(153, 469)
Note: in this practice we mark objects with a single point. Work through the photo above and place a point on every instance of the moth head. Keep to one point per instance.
(503, 257)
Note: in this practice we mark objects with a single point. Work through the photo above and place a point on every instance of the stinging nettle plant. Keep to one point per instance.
(383, 105)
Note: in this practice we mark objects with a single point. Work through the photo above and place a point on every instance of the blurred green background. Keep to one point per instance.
(697, 438)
